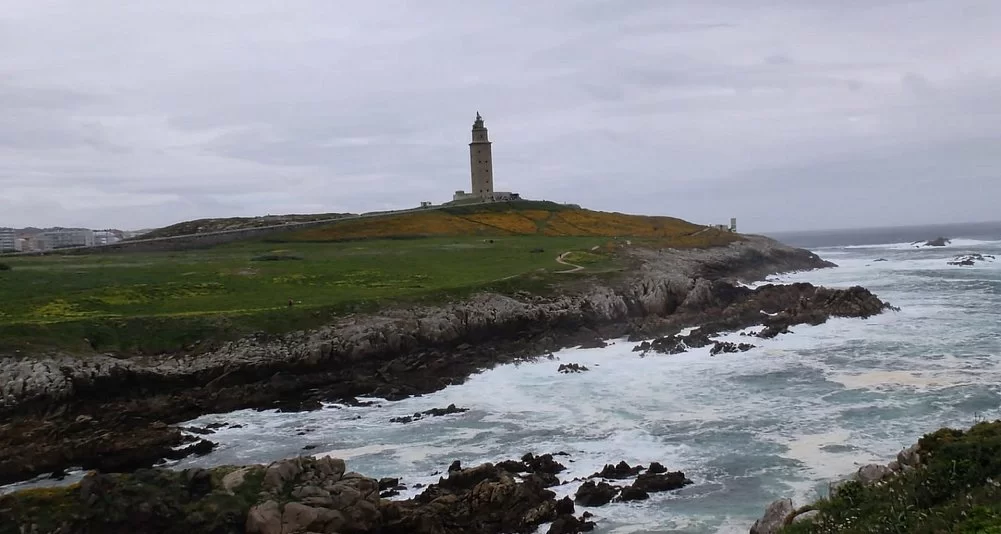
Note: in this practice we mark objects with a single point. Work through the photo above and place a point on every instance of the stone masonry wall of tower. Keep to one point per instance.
(481, 161)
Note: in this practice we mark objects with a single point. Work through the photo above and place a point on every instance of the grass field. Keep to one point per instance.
(164, 301)
(191, 300)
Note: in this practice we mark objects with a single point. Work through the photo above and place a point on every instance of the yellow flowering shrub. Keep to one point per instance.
(571, 222)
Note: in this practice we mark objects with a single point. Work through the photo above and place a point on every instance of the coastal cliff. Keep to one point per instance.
(114, 413)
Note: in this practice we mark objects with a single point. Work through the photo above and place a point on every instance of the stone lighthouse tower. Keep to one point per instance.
(481, 164)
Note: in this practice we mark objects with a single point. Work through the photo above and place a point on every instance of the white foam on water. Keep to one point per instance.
(881, 378)
(920, 245)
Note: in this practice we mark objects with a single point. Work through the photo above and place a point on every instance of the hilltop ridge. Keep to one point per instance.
(207, 225)
(514, 218)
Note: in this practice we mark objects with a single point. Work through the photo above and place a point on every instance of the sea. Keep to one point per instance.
(784, 419)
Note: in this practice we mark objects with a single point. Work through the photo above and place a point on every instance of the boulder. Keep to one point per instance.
(568, 524)
(653, 483)
(264, 518)
(567, 368)
(296, 518)
(632, 493)
(910, 456)
(656, 468)
(542, 464)
(480, 499)
(774, 518)
(233, 480)
(872, 473)
(513, 466)
(618, 472)
(279, 473)
(834, 487)
(591, 494)
(720, 347)
(565, 506)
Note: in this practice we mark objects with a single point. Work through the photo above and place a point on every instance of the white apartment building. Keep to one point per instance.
(8, 240)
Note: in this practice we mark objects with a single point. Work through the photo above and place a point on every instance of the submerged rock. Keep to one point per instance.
(434, 412)
(729, 347)
(567, 368)
(968, 260)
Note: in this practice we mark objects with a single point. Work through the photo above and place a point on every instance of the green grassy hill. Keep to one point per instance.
(201, 226)
(188, 300)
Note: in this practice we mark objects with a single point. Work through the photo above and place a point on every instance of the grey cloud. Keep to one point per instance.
(753, 108)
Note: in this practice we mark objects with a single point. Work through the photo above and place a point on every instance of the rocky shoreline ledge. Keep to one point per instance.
(306, 494)
(115, 413)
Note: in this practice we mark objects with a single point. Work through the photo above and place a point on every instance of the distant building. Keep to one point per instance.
(8, 240)
(105, 237)
(56, 239)
(731, 228)
(481, 170)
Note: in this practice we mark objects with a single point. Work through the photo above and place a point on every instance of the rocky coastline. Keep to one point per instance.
(305, 494)
(116, 414)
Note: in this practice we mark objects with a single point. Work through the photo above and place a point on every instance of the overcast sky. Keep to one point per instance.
(788, 114)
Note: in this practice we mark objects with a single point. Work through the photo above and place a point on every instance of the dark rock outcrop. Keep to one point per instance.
(619, 471)
(293, 496)
(653, 483)
(568, 524)
(567, 368)
(545, 463)
(968, 260)
(434, 412)
(776, 307)
(725, 347)
(595, 494)
(632, 493)
(481, 499)
(937, 242)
